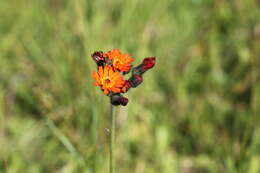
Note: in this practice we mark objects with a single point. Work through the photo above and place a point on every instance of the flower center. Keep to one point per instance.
(107, 81)
(118, 61)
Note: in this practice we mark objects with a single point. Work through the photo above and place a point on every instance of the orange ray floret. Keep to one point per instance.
(121, 62)
(108, 79)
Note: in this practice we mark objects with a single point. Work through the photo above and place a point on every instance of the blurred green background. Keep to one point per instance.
(196, 112)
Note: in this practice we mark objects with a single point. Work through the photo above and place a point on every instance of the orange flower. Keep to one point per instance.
(121, 62)
(108, 79)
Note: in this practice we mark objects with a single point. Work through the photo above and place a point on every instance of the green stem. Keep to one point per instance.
(112, 140)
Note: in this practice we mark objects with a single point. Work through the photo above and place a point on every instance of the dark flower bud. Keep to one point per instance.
(123, 101)
(117, 99)
(135, 80)
(148, 63)
(98, 58)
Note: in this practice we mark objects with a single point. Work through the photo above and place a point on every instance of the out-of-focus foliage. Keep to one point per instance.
(197, 110)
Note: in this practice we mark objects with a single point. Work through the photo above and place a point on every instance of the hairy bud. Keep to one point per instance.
(98, 58)
(135, 80)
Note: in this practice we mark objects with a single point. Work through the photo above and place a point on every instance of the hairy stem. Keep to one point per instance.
(112, 140)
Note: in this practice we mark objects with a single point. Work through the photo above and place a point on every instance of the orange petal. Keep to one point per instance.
(106, 92)
(116, 90)
(106, 71)
(100, 72)
(95, 75)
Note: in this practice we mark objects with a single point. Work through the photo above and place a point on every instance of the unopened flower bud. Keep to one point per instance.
(135, 80)
(98, 58)
(123, 101)
(117, 99)
(148, 63)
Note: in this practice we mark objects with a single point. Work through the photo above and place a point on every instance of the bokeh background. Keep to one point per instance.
(196, 112)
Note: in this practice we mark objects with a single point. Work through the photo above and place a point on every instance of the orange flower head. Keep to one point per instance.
(112, 65)
(121, 62)
(108, 79)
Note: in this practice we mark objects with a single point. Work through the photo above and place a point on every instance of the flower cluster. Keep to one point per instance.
(112, 66)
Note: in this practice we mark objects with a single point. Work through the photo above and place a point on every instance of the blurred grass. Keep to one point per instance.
(197, 111)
